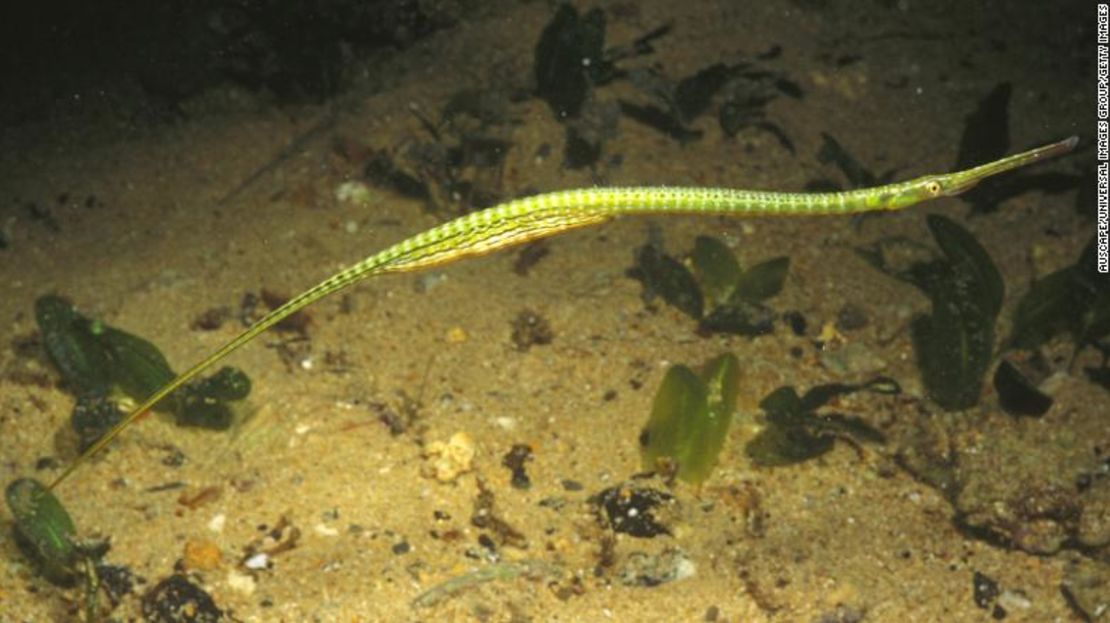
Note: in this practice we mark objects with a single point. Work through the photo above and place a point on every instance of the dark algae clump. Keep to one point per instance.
(207, 403)
(176, 599)
(796, 432)
(103, 364)
(634, 509)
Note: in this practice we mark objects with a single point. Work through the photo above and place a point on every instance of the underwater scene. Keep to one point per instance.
(520, 310)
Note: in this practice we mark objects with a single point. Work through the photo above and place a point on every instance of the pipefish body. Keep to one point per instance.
(530, 218)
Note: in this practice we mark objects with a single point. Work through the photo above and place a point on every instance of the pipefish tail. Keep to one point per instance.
(530, 218)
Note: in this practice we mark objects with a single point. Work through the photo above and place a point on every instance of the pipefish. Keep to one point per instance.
(530, 218)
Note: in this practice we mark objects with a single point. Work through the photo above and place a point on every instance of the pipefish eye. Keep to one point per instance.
(934, 188)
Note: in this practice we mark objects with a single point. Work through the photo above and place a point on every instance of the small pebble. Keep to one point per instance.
(240, 582)
(450, 459)
(355, 193)
(324, 530)
(258, 562)
(829, 335)
(216, 524)
(641, 569)
(851, 318)
(853, 358)
(201, 555)
(426, 282)
(1014, 600)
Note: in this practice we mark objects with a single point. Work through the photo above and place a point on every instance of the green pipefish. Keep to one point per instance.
(521, 220)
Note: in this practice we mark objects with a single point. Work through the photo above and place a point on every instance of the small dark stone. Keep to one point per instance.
(998, 613)
(984, 590)
(530, 329)
(117, 581)
(401, 548)
(175, 458)
(1082, 482)
(211, 319)
(528, 257)
(632, 510)
(486, 542)
(515, 460)
(610, 394)
(851, 318)
(796, 321)
(92, 417)
(394, 421)
(46, 462)
(572, 485)
(177, 600)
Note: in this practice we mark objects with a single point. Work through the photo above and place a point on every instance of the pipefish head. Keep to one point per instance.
(904, 194)
(934, 186)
